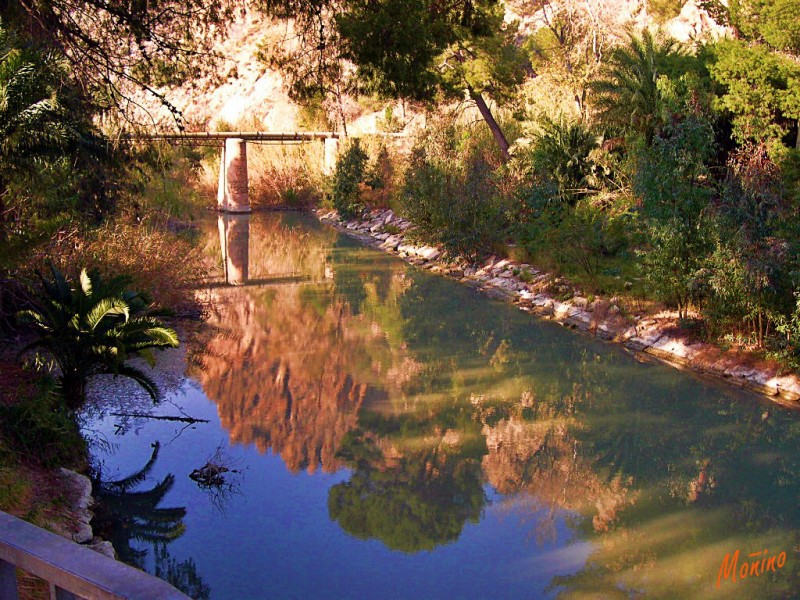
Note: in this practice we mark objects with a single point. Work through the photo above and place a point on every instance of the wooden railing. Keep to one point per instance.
(73, 571)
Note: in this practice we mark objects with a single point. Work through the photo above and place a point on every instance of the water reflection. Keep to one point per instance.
(392, 373)
(441, 410)
(128, 516)
(234, 238)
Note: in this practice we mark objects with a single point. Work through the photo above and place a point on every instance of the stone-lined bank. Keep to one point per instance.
(79, 530)
(531, 290)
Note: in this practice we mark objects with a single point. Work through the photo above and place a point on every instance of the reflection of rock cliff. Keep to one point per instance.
(542, 465)
(286, 377)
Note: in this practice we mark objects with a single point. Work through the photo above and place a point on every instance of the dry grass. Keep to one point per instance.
(285, 176)
(160, 262)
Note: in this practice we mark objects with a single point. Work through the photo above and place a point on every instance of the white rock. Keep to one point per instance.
(429, 253)
(391, 243)
(103, 547)
(580, 302)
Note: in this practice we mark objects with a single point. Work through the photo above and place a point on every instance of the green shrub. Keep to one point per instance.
(562, 152)
(672, 179)
(452, 193)
(580, 235)
(753, 263)
(788, 345)
(43, 430)
(351, 170)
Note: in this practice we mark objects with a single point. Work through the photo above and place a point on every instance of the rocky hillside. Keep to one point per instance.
(243, 92)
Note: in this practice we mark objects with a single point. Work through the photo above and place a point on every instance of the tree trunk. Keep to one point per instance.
(499, 137)
(73, 386)
(3, 191)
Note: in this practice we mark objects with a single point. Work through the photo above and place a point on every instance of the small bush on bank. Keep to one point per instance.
(452, 193)
(572, 217)
(563, 152)
(42, 429)
(578, 237)
(349, 176)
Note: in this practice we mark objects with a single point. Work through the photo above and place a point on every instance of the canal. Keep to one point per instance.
(391, 434)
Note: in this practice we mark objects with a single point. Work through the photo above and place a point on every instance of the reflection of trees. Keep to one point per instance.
(662, 473)
(183, 575)
(414, 502)
(665, 488)
(427, 390)
(124, 516)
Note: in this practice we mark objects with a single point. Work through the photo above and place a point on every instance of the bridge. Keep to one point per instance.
(71, 570)
(233, 191)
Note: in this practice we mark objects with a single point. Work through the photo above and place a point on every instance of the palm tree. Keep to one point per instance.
(34, 125)
(562, 151)
(90, 328)
(627, 90)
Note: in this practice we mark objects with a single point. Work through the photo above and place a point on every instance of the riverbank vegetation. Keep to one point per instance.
(626, 161)
(76, 196)
(640, 166)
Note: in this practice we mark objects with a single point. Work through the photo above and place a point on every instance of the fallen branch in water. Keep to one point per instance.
(160, 417)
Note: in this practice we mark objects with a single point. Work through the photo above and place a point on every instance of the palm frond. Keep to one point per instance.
(141, 378)
(105, 308)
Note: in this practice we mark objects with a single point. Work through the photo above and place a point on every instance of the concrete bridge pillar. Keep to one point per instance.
(331, 155)
(232, 195)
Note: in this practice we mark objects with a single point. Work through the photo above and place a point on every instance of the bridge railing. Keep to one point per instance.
(252, 136)
(73, 571)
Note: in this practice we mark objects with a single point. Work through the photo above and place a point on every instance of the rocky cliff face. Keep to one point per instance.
(238, 90)
(241, 91)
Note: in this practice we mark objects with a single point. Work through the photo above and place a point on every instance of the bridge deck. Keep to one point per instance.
(250, 136)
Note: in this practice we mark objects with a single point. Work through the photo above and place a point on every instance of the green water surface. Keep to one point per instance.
(397, 435)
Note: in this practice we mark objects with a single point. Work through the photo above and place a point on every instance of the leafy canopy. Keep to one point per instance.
(761, 90)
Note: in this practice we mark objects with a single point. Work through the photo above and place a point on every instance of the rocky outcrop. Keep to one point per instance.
(547, 296)
(78, 490)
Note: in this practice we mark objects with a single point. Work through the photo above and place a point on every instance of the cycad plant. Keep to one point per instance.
(562, 152)
(93, 327)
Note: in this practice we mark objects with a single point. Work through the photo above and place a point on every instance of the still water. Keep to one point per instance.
(392, 434)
